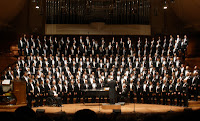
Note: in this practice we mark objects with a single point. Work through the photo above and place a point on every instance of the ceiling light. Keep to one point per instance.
(165, 7)
(37, 7)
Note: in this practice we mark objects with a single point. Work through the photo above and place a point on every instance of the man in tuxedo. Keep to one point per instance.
(100, 85)
(37, 95)
(132, 89)
(86, 85)
(145, 91)
(53, 94)
(77, 91)
(112, 91)
(60, 88)
(65, 92)
(151, 93)
(178, 92)
(164, 92)
(171, 92)
(42, 92)
(71, 91)
(185, 92)
(21, 46)
(138, 92)
(30, 92)
(158, 92)
(47, 86)
(123, 93)
(194, 85)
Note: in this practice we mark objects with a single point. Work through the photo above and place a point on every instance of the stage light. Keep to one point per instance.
(37, 7)
(165, 7)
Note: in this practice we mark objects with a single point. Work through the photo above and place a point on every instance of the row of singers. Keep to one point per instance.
(149, 92)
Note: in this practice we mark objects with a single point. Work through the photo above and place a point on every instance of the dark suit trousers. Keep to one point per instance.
(178, 97)
(158, 98)
(65, 98)
(164, 96)
(185, 99)
(145, 97)
(171, 97)
(138, 98)
(29, 99)
(131, 96)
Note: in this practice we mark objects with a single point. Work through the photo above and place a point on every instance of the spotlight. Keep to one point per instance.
(37, 7)
(165, 7)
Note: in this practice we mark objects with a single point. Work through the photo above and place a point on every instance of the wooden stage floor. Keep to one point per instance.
(127, 108)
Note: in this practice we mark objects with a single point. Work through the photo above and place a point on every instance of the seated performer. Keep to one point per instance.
(123, 92)
(53, 94)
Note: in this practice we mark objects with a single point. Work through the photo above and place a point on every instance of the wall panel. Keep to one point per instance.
(97, 29)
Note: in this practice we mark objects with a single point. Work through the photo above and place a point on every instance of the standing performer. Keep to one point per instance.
(185, 93)
(30, 92)
(178, 92)
(158, 92)
(164, 92)
(138, 92)
(151, 96)
(112, 91)
(171, 92)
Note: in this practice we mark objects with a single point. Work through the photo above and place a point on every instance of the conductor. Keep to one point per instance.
(112, 92)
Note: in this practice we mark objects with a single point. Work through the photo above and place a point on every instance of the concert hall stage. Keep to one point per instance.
(127, 108)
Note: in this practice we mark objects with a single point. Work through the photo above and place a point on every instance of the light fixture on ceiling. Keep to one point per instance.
(37, 6)
(165, 5)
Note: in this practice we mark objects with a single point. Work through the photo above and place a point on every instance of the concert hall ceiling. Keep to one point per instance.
(186, 10)
(9, 9)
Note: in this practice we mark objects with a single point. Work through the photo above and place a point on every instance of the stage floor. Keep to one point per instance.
(127, 108)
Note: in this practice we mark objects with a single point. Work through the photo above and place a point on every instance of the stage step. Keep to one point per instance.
(193, 103)
(10, 108)
(111, 106)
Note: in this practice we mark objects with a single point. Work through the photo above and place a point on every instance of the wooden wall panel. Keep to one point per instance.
(19, 90)
(96, 29)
